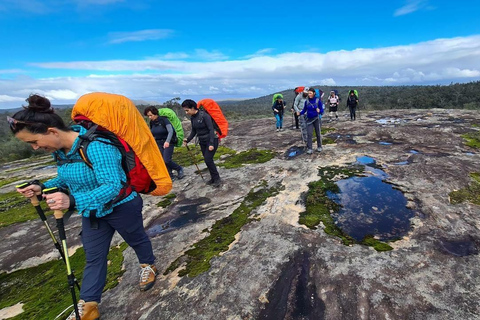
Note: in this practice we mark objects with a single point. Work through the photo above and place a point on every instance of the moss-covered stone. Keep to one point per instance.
(472, 139)
(185, 158)
(470, 193)
(15, 208)
(319, 207)
(166, 200)
(375, 243)
(197, 260)
(247, 157)
(44, 289)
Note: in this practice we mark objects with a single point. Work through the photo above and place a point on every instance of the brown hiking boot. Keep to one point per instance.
(147, 276)
(87, 311)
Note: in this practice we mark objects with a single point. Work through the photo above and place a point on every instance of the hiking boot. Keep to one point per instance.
(209, 182)
(217, 183)
(86, 310)
(147, 276)
(319, 149)
(180, 174)
(309, 151)
(278, 129)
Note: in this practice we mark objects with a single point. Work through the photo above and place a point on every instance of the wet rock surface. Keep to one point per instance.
(278, 269)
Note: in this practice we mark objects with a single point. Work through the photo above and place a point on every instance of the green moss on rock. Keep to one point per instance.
(197, 260)
(472, 139)
(470, 193)
(247, 157)
(166, 200)
(44, 289)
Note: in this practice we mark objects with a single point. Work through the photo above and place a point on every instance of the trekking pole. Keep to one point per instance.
(61, 232)
(35, 201)
(194, 162)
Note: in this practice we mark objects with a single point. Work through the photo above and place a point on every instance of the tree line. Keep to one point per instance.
(453, 96)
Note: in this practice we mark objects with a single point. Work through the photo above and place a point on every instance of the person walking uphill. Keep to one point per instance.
(298, 107)
(313, 108)
(352, 102)
(92, 191)
(278, 108)
(164, 134)
(202, 127)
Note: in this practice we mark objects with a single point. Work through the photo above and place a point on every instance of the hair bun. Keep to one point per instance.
(38, 103)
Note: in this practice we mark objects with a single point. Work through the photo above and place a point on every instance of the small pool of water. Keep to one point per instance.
(370, 206)
(385, 143)
(293, 152)
(459, 248)
(187, 213)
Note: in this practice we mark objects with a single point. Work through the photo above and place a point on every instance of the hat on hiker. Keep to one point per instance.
(305, 90)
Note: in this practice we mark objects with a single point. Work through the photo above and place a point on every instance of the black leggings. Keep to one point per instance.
(208, 158)
(352, 112)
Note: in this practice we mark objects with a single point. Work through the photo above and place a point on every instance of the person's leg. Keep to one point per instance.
(167, 157)
(96, 244)
(162, 152)
(303, 126)
(309, 135)
(128, 221)
(354, 110)
(351, 113)
(208, 158)
(281, 121)
(317, 125)
(297, 126)
(277, 123)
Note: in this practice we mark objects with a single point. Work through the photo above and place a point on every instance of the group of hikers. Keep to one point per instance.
(94, 188)
(94, 181)
(308, 109)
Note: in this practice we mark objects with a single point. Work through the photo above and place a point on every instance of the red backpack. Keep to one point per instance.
(220, 123)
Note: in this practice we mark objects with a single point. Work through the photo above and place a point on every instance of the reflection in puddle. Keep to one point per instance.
(414, 151)
(401, 163)
(369, 206)
(384, 143)
(293, 152)
(459, 248)
(186, 214)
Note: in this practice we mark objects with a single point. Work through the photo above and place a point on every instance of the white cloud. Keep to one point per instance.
(142, 35)
(432, 62)
(210, 55)
(410, 6)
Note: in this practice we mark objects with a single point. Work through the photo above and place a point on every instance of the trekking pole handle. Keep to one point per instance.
(35, 200)
(57, 213)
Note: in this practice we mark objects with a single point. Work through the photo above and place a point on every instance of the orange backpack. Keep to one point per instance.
(220, 123)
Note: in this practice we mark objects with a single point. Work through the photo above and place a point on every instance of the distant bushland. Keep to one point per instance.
(452, 96)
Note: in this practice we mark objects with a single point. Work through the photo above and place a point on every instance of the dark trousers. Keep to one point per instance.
(167, 158)
(352, 112)
(313, 124)
(128, 221)
(208, 158)
(296, 120)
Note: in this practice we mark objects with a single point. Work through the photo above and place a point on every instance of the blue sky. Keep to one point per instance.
(157, 50)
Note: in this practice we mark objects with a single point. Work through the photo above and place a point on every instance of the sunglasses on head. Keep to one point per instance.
(13, 123)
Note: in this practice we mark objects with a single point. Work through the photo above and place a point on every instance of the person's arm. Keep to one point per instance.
(170, 130)
(304, 108)
(193, 133)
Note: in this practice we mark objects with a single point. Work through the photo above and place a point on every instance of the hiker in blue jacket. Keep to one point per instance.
(164, 133)
(313, 108)
(92, 194)
(278, 108)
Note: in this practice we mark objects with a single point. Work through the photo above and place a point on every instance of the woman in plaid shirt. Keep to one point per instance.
(92, 191)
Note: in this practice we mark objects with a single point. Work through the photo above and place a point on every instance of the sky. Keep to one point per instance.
(157, 50)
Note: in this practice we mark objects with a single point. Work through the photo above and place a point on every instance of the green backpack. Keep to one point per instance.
(176, 123)
(276, 96)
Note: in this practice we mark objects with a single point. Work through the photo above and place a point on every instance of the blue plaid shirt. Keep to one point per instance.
(92, 189)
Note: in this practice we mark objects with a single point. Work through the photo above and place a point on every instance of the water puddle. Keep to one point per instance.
(385, 143)
(293, 152)
(186, 213)
(294, 295)
(370, 206)
(388, 121)
(401, 163)
(414, 151)
(459, 248)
